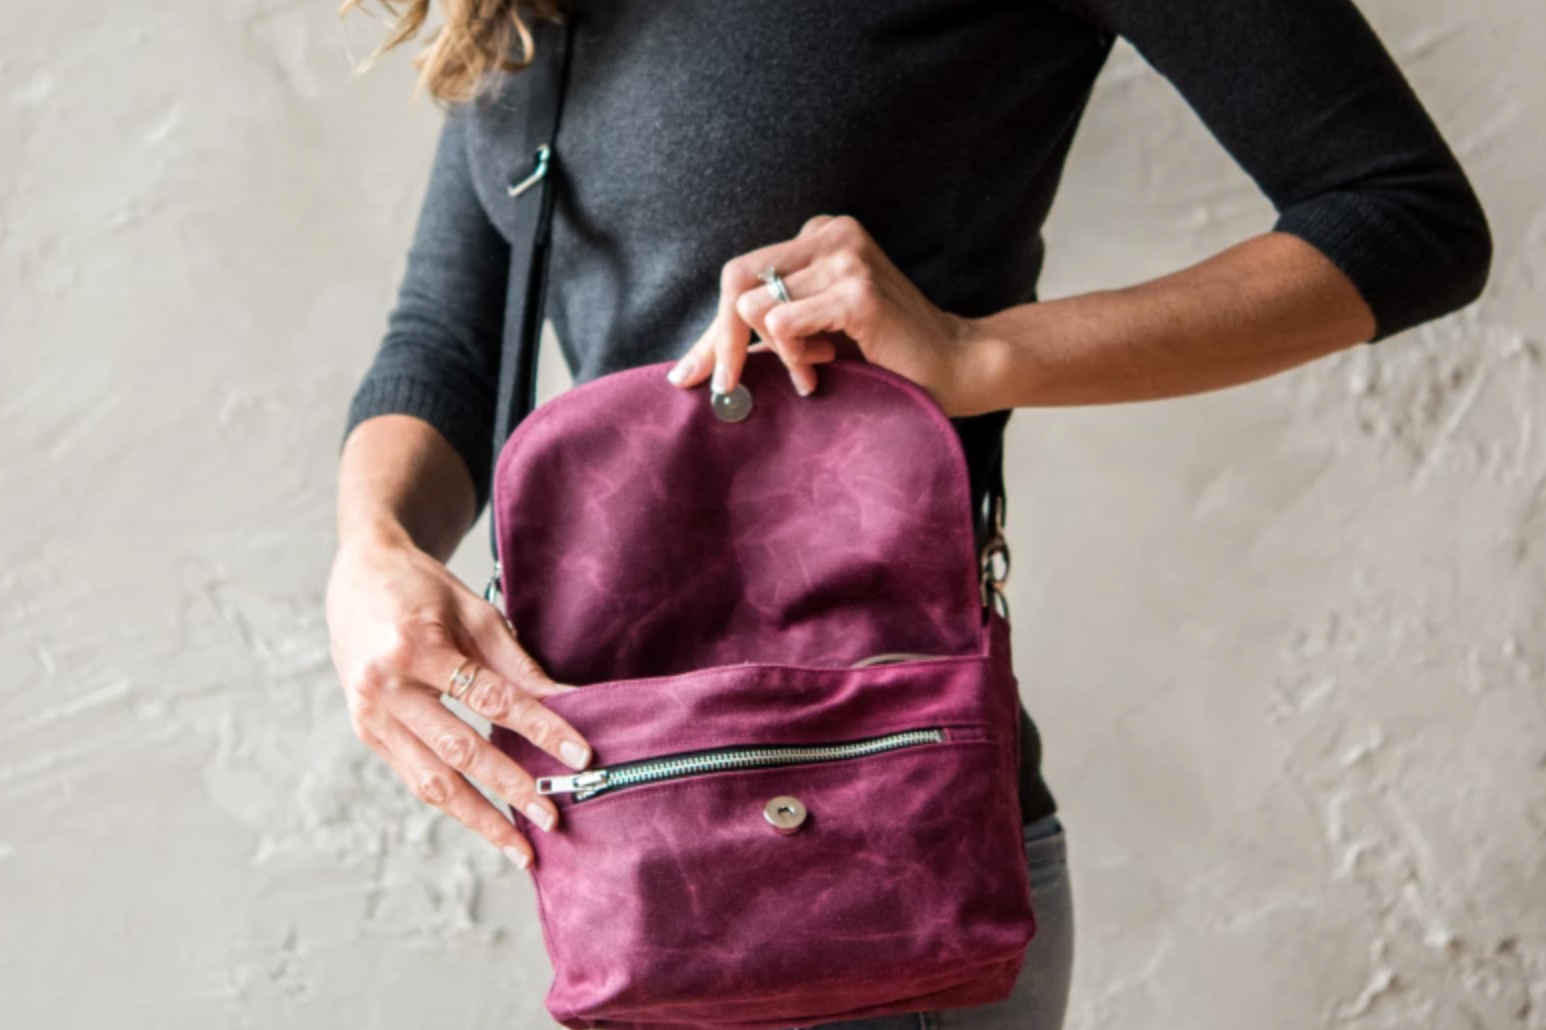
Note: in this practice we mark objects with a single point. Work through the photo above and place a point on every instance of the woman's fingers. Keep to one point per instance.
(500, 701)
(818, 349)
(822, 311)
(497, 643)
(731, 335)
(400, 625)
(396, 708)
(717, 349)
(800, 347)
(465, 750)
(746, 302)
(436, 783)
(695, 365)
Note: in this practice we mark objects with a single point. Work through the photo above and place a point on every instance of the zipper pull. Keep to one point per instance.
(575, 781)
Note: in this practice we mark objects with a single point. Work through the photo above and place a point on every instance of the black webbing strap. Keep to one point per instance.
(533, 217)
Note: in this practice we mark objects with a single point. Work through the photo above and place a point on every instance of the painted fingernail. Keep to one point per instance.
(679, 370)
(721, 381)
(516, 855)
(539, 814)
(574, 753)
(801, 387)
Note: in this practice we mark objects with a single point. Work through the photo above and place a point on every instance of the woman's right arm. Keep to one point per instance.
(413, 475)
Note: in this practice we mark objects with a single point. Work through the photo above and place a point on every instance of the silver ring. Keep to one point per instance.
(462, 680)
(776, 286)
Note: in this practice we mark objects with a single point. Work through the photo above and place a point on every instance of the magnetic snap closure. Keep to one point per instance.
(732, 406)
(785, 813)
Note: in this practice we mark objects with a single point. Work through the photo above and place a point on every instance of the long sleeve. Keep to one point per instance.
(1308, 101)
(439, 359)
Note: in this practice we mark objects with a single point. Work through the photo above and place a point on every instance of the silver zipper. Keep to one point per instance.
(591, 782)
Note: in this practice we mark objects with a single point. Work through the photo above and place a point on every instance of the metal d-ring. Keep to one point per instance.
(515, 189)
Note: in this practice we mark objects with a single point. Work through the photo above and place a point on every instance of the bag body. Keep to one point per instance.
(803, 802)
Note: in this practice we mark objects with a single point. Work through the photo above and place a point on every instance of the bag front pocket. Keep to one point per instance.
(838, 875)
(592, 782)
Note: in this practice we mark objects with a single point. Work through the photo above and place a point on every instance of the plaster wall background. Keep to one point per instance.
(1286, 642)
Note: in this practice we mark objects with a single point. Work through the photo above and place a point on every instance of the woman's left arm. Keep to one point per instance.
(1260, 307)
(1377, 230)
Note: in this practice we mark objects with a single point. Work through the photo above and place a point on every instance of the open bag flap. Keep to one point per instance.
(641, 534)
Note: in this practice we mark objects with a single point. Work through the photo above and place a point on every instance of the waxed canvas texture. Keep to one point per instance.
(654, 538)
(711, 584)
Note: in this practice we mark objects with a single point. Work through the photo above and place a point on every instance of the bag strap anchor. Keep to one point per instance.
(993, 560)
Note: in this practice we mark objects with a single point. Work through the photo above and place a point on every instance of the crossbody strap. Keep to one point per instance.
(532, 197)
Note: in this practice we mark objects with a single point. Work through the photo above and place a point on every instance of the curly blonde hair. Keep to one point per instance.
(474, 39)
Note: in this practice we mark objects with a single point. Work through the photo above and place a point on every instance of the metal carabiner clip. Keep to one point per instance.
(993, 564)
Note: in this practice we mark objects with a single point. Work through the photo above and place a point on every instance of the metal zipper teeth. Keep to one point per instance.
(591, 782)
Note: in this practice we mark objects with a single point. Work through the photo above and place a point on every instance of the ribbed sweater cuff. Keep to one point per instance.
(1360, 240)
(445, 410)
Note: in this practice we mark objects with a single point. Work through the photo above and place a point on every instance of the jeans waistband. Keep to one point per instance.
(1046, 826)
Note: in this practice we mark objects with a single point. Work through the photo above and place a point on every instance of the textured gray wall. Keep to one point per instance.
(1285, 641)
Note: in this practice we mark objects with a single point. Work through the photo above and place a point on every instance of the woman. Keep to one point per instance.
(894, 160)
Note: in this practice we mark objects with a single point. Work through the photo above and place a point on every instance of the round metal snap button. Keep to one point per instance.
(732, 406)
(785, 813)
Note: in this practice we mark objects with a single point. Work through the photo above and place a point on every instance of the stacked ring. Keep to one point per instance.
(775, 284)
(461, 682)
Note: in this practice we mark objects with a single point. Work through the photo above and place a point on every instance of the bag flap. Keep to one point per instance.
(640, 534)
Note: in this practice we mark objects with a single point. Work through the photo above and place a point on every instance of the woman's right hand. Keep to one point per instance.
(400, 623)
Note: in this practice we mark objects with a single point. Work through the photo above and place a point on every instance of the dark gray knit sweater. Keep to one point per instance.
(695, 130)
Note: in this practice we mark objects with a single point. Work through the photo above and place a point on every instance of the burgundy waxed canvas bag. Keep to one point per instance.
(796, 679)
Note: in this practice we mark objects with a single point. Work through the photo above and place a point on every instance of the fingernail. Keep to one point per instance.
(575, 754)
(721, 381)
(539, 814)
(679, 370)
(516, 855)
(800, 387)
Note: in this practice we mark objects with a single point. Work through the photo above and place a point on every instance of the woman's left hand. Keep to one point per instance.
(845, 295)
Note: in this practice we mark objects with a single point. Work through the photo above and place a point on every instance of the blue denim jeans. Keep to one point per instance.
(1040, 995)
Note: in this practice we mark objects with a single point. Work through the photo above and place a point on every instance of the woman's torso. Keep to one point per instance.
(697, 130)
